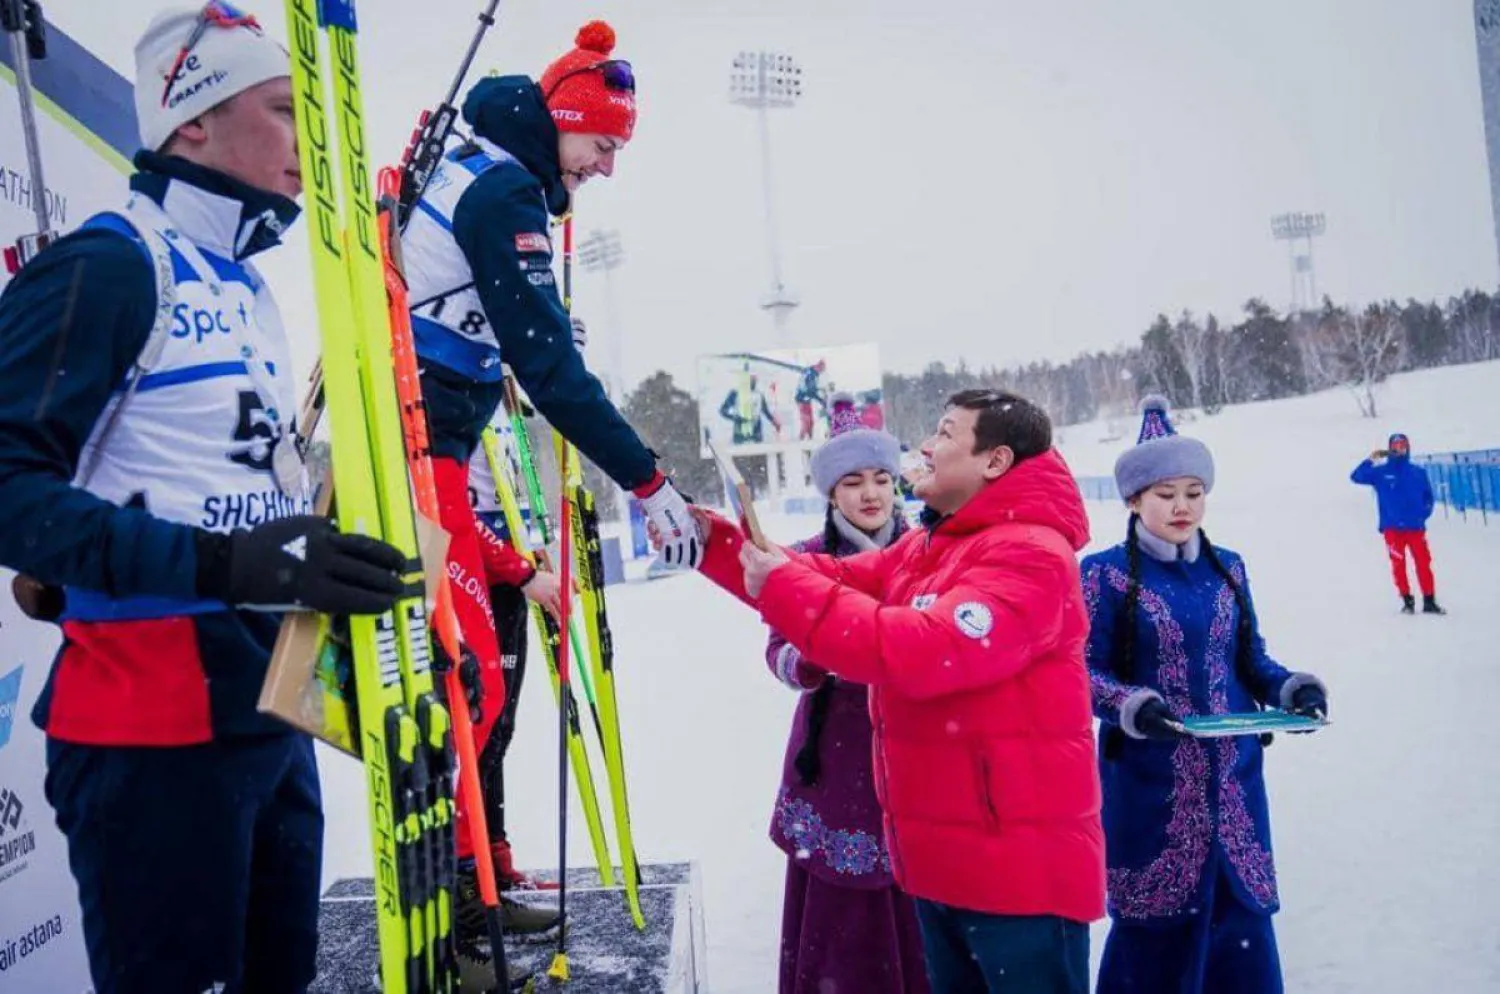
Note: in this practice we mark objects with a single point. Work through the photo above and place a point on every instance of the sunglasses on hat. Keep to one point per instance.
(215, 14)
(616, 72)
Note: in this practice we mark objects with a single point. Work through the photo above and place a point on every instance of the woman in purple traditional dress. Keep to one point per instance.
(845, 928)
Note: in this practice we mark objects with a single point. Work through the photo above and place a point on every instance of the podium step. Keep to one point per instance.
(606, 953)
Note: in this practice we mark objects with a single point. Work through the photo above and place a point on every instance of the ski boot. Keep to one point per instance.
(515, 918)
(476, 974)
(511, 878)
(1430, 606)
(1408, 604)
(525, 919)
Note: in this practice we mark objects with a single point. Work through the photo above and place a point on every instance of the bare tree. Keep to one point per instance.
(1321, 345)
(1357, 351)
(1472, 320)
(1227, 359)
(1191, 341)
(1043, 384)
(1376, 351)
(1111, 381)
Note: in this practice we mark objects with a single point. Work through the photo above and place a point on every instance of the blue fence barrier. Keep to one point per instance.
(1465, 481)
(1098, 488)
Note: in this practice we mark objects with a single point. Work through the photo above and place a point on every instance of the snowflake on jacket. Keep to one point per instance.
(1174, 812)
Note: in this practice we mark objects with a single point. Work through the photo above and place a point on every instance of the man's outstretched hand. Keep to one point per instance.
(759, 563)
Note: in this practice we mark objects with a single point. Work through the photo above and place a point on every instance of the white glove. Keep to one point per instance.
(580, 333)
(681, 542)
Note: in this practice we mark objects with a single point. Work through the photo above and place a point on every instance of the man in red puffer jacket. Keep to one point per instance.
(971, 633)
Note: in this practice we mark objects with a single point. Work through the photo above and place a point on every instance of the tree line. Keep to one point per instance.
(1208, 363)
(1202, 362)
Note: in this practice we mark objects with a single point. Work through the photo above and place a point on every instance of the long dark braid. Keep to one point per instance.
(1124, 633)
(808, 762)
(1244, 630)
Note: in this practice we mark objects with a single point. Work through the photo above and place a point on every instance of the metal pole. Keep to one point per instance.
(1291, 250)
(15, 26)
(1312, 275)
(765, 166)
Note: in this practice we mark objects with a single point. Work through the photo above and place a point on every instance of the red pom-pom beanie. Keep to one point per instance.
(582, 102)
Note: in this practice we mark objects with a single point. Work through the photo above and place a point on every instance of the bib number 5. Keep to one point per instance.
(254, 433)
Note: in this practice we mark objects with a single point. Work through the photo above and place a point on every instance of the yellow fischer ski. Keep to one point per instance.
(403, 728)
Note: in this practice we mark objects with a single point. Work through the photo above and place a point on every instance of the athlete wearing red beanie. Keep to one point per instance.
(478, 253)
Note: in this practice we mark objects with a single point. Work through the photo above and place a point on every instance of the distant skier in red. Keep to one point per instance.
(1403, 495)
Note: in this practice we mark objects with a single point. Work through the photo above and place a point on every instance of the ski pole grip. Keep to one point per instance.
(36, 29)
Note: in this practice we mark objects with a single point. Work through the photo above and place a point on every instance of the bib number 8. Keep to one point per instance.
(473, 324)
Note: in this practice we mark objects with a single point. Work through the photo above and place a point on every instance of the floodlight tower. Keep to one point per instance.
(1293, 228)
(765, 81)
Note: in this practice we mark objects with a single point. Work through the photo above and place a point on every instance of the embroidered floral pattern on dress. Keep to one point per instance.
(849, 853)
(1165, 885)
(1108, 691)
(1252, 862)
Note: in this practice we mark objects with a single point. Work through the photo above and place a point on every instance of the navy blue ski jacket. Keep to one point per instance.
(72, 323)
(530, 324)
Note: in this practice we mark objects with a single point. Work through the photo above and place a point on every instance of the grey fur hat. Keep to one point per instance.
(851, 447)
(1160, 453)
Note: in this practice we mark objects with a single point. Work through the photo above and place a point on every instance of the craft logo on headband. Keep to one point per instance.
(214, 14)
(190, 66)
(187, 63)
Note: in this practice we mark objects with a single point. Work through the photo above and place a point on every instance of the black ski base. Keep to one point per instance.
(606, 954)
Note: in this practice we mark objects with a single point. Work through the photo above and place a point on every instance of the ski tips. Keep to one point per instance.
(559, 968)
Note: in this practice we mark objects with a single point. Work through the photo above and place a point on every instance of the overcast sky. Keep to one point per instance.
(999, 180)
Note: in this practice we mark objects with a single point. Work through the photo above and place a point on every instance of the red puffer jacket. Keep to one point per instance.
(971, 635)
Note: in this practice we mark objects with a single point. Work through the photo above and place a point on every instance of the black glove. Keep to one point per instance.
(1155, 720)
(300, 562)
(1310, 701)
(468, 677)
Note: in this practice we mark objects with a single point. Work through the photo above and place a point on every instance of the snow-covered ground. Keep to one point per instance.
(1387, 825)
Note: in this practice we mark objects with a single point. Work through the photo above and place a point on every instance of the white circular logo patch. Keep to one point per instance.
(974, 619)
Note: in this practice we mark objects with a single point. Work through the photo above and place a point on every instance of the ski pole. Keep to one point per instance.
(22, 21)
(580, 514)
(559, 968)
(538, 501)
(549, 628)
(425, 149)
